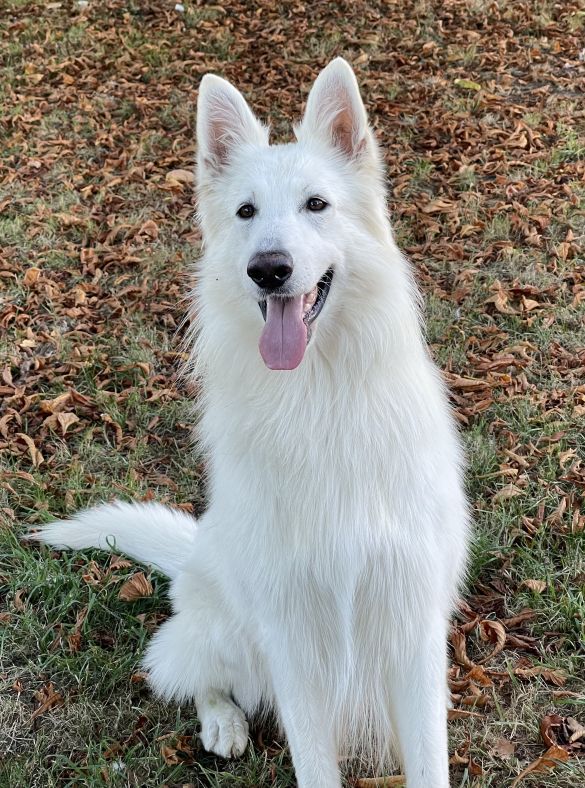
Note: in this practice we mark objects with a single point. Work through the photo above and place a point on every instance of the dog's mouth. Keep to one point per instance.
(288, 320)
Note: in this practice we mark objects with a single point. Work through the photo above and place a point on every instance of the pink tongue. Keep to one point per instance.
(284, 338)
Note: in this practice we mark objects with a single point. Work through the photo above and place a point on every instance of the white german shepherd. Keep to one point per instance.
(321, 578)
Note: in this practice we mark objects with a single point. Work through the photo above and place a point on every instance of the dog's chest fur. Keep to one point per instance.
(329, 477)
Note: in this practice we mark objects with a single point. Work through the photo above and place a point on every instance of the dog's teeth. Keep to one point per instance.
(310, 299)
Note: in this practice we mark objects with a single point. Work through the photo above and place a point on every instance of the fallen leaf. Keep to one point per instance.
(528, 304)
(61, 420)
(494, 632)
(479, 676)
(551, 758)
(524, 615)
(19, 604)
(576, 729)
(56, 404)
(503, 749)
(537, 586)
(136, 587)
(66, 420)
(461, 714)
(31, 276)
(548, 725)
(556, 677)
(117, 562)
(35, 455)
(507, 492)
(48, 699)
(181, 752)
(180, 176)
(563, 731)
(149, 228)
(458, 642)
(439, 206)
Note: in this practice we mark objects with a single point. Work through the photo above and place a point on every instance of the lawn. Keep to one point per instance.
(480, 109)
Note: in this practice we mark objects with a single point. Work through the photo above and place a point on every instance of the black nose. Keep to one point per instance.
(270, 270)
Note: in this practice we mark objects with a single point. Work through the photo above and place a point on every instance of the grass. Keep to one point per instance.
(101, 321)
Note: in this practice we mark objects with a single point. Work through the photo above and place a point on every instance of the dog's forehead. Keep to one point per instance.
(282, 169)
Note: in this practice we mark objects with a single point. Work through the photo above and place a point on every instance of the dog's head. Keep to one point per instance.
(279, 221)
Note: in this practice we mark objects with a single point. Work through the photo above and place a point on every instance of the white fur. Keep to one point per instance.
(321, 578)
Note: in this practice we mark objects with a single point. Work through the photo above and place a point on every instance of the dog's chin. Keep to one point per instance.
(289, 324)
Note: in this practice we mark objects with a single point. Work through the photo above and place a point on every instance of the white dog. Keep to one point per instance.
(320, 580)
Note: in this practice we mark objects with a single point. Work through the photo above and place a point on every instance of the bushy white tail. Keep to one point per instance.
(148, 532)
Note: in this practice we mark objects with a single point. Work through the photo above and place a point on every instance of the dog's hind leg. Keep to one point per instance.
(201, 654)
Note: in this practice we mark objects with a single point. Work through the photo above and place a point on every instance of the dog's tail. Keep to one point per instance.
(148, 532)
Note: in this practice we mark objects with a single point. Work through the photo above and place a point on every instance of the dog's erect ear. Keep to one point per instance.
(224, 121)
(335, 111)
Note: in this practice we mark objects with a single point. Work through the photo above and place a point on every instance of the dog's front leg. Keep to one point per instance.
(309, 732)
(419, 707)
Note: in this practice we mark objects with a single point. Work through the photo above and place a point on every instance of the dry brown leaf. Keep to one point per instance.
(149, 228)
(61, 420)
(31, 276)
(19, 604)
(117, 562)
(439, 206)
(461, 714)
(55, 405)
(94, 575)
(35, 455)
(500, 299)
(107, 419)
(556, 677)
(494, 632)
(548, 726)
(545, 763)
(181, 752)
(576, 729)
(507, 492)
(380, 782)
(48, 699)
(524, 642)
(524, 615)
(475, 769)
(66, 420)
(503, 749)
(180, 176)
(566, 694)
(476, 700)
(564, 732)
(460, 648)
(537, 586)
(479, 676)
(136, 587)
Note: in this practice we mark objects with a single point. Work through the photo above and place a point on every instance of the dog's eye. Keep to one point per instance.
(316, 204)
(246, 211)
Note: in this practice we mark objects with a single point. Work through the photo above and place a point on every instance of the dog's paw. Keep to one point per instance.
(224, 730)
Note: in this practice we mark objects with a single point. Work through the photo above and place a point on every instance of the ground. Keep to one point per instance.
(479, 107)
